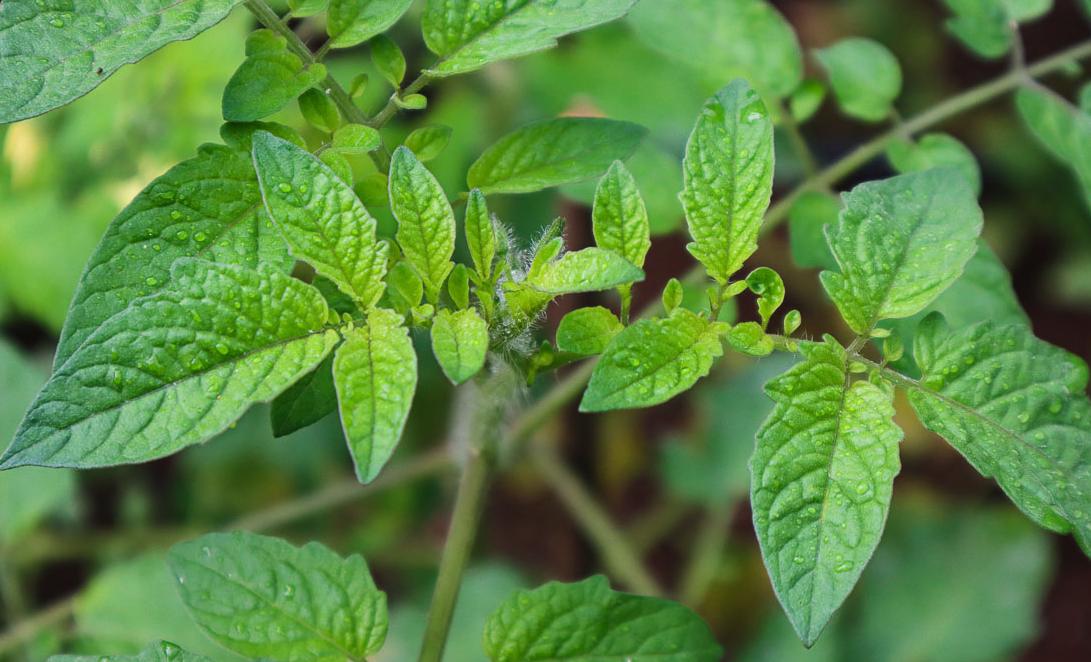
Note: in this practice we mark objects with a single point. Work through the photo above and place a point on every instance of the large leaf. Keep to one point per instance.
(262, 597)
(209, 207)
(553, 152)
(900, 242)
(157, 651)
(619, 217)
(589, 270)
(728, 179)
(375, 372)
(350, 22)
(865, 76)
(588, 622)
(1061, 127)
(823, 473)
(321, 218)
(54, 52)
(652, 361)
(426, 222)
(176, 368)
(1016, 407)
(469, 35)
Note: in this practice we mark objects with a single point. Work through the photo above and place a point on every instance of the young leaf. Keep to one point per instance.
(865, 77)
(935, 150)
(267, 81)
(53, 53)
(1016, 407)
(321, 218)
(587, 621)
(356, 139)
(426, 222)
(553, 152)
(460, 341)
(458, 286)
(469, 35)
(587, 331)
(728, 179)
(306, 402)
(589, 270)
(350, 22)
(619, 218)
(900, 242)
(823, 473)
(262, 597)
(404, 287)
(984, 26)
(807, 99)
(480, 235)
(652, 361)
(157, 651)
(428, 141)
(388, 59)
(175, 368)
(319, 110)
(375, 372)
(769, 287)
(1062, 128)
(304, 8)
(750, 339)
(810, 214)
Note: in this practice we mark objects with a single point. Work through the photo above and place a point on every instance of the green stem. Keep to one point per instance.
(24, 631)
(707, 555)
(392, 106)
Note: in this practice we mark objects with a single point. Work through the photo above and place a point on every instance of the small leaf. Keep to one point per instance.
(458, 286)
(319, 110)
(587, 621)
(769, 287)
(480, 235)
(306, 402)
(350, 22)
(404, 287)
(823, 473)
(266, 82)
(321, 218)
(356, 139)
(810, 215)
(426, 222)
(900, 242)
(865, 77)
(652, 361)
(750, 339)
(469, 35)
(807, 99)
(619, 218)
(56, 52)
(553, 152)
(672, 295)
(460, 341)
(375, 372)
(589, 270)
(412, 101)
(428, 142)
(984, 26)
(262, 597)
(157, 651)
(587, 331)
(792, 320)
(223, 336)
(728, 179)
(935, 150)
(388, 59)
(304, 8)
(1062, 128)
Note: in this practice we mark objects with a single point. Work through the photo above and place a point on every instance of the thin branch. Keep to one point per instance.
(24, 631)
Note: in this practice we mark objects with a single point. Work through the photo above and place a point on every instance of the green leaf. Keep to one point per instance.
(1015, 407)
(428, 142)
(356, 139)
(984, 25)
(176, 368)
(375, 372)
(460, 341)
(388, 59)
(480, 234)
(1062, 128)
(52, 53)
(304, 8)
(262, 597)
(769, 287)
(587, 331)
(587, 621)
(865, 77)
(619, 218)
(811, 213)
(319, 110)
(750, 339)
(823, 473)
(727, 39)
(306, 402)
(589, 270)
(426, 222)
(404, 287)
(350, 22)
(321, 218)
(209, 207)
(728, 179)
(469, 35)
(553, 152)
(935, 150)
(265, 82)
(900, 242)
(157, 651)
(652, 361)
(458, 286)
(807, 99)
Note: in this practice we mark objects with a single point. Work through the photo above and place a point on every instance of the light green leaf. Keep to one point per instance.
(428, 142)
(388, 59)
(460, 341)
(865, 77)
(553, 152)
(822, 477)
(810, 214)
(350, 22)
(404, 287)
(426, 222)
(935, 150)
(1016, 407)
(984, 25)
(265, 82)
(321, 218)
(52, 53)
(900, 242)
(769, 287)
(750, 339)
(306, 402)
(807, 99)
(1062, 128)
(587, 621)
(589, 270)
(176, 368)
(262, 597)
(209, 207)
(587, 331)
(619, 218)
(728, 179)
(469, 35)
(727, 39)
(375, 372)
(480, 234)
(356, 139)
(157, 651)
(652, 361)
(304, 8)
(458, 286)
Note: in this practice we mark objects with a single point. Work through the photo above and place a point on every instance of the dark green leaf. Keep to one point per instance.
(810, 215)
(1062, 128)
(306, 402)
(428, 141)
(319, 110)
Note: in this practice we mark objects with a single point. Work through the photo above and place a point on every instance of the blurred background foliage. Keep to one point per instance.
(960, 575)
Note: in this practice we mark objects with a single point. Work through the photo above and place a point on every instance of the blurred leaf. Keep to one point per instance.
(428, 142)
(1060, 127)
(983, 25)
(157, 651)
(388, 59)
(865, 76)
(935, 150)
(304, 8)
(810, 215)
(807, 99)
(350, 22)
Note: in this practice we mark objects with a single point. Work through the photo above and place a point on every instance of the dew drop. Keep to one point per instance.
(200, 236)
(284, 187)
(176, 215)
